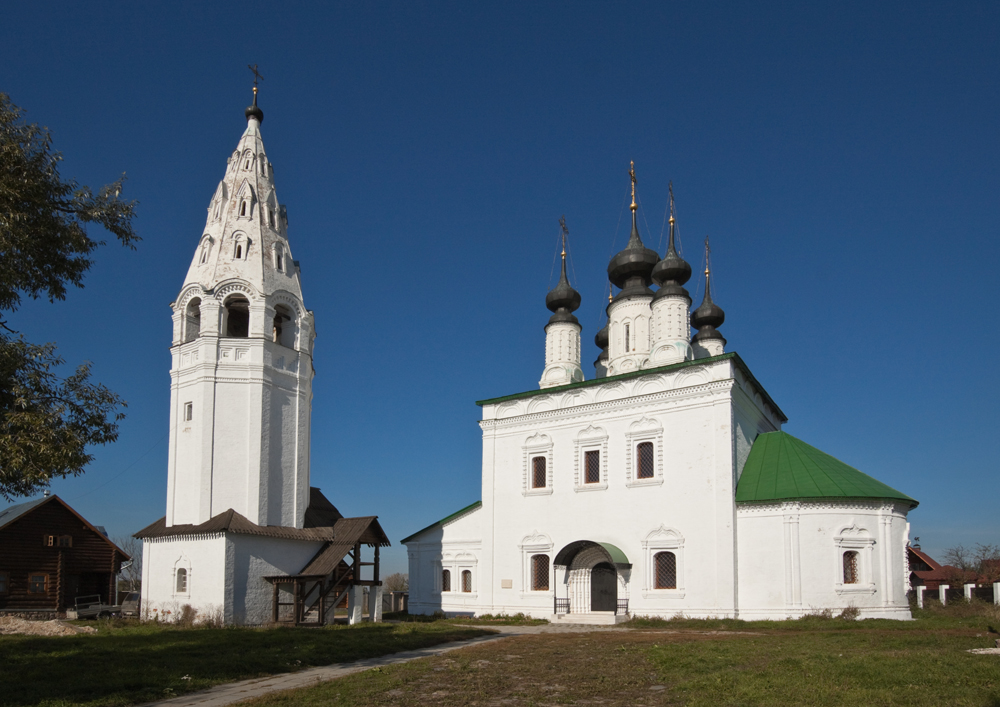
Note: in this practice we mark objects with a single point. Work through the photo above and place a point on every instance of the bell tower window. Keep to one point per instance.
(192, 320)
(243, 208)
(237, 309)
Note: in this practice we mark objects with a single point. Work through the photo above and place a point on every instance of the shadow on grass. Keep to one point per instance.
(121, 666)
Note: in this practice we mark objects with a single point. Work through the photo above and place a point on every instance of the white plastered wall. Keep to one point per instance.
(457, 547)
(204, 559)
(791, 558)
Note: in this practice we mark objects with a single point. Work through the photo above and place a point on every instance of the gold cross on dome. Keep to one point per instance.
(565, 232)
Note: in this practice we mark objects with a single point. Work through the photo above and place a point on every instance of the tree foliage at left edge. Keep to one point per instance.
(47, 421)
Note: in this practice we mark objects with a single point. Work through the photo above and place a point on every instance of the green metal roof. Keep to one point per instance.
(438, 524)
(638, 374)
(782, 467)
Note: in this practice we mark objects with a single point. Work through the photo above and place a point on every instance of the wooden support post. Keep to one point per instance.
(296, 602)
(274, 602)
(357, 561)
(322, 601)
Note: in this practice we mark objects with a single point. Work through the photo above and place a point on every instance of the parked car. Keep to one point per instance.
(130, 606)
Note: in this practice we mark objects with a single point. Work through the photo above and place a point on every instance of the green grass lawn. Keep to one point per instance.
(813, 661)
(125, 664)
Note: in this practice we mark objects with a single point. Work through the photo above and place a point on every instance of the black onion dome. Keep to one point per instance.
(672, 272)
(707, 317)
(562, 299)
(631, 268)
(602, 339)
(253, 111)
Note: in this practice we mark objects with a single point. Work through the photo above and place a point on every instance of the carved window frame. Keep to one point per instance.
(531, 545)
(589, 440)
(854, 539)
(662, 539)
(644, 430)
(538, 445)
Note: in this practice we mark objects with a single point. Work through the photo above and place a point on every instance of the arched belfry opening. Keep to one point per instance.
(192, 320)
(594, 577)
(237, 315)
(283, 328)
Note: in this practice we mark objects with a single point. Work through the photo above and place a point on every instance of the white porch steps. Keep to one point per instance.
(593, 618)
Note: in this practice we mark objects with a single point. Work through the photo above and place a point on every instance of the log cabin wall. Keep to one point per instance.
(43, 578)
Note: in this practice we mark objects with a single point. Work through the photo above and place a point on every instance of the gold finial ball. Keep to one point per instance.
(634, 206)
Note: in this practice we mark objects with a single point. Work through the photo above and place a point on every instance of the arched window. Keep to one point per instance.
(181, 585)
(247, 162)
(644, 460)
(626, 338)
(283, 326)
(446, 580)
(539, 573)
(243, 208)
(466, 581)
(665, 572)
(850, 567)
(237, 317)
(192, 320)
(538, 475)
(279, 260)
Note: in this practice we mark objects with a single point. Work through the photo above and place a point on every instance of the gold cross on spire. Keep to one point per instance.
(565, 232)
(256, 77)
(708, 249)
(670, 188)
(631, 174)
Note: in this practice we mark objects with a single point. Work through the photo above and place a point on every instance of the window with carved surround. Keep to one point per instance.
(663, 563)
(855, 548)
(644, 461)
(591, 462)
(534, 546)
(445, 580)
(537, 452)
(467, 581)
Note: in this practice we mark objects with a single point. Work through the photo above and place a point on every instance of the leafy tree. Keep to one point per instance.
(47, 421)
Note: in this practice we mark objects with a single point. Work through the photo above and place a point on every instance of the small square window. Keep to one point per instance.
(49, 540)
(593, 467)
(188, 412)
(37, 583)
(65, 541)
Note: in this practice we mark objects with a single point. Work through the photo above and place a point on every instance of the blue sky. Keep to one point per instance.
(843, 158)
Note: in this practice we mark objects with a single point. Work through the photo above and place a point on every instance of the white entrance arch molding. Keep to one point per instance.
(576, 562)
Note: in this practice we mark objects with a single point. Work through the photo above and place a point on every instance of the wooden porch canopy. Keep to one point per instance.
(327, 578)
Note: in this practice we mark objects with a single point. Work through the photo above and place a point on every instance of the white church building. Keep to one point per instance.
(245, 538)
(663, 486)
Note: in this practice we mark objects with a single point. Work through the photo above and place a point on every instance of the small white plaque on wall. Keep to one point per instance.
(506, 583)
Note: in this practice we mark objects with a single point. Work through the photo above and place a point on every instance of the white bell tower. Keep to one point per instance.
(241, 375)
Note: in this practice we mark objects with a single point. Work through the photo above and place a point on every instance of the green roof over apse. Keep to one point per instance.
(782, 467)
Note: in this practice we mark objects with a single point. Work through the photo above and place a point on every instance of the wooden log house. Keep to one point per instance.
(49, 555)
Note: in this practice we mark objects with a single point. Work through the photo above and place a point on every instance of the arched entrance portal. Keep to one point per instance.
(594, 576)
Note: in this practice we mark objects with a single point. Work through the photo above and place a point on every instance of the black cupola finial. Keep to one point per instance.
(709, 315)
(253, 111)
(562, 299)
(630, 269)
(673, 271)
